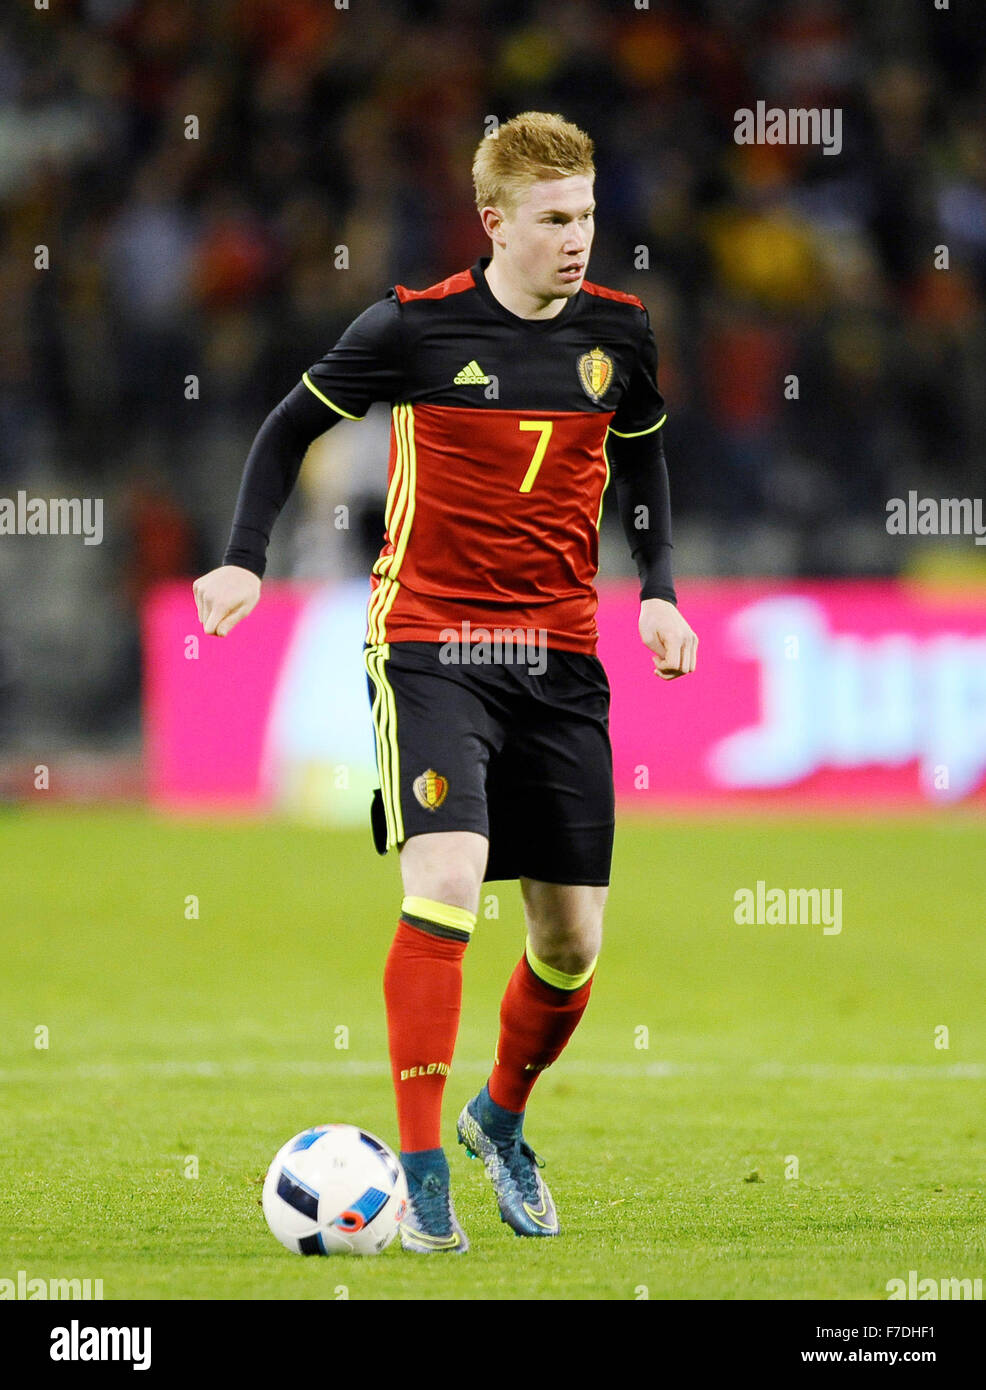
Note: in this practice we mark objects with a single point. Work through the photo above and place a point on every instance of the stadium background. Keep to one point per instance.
(217, 258)
(318, 127)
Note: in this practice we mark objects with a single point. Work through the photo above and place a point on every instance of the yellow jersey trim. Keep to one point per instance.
(398, 519)
(635, 434)
(331, 404)
(602, 495)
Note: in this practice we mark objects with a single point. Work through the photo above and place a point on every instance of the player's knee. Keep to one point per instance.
(461, 891)
(571, 948)
(573, 960)
(565, 925)
(431, 867)
(456, 885)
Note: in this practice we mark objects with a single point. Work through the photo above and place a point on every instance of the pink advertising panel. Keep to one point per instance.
(856, 692)
(207, 700)
(827, 694)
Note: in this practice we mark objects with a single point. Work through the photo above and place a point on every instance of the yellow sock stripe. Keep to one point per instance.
(558, 978)
(384, 714)
(444, 913)
(325, 400)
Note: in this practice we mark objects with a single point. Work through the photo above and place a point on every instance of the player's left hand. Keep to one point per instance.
(664, 631)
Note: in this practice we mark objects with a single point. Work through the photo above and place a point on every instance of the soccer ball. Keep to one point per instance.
(335, 1190)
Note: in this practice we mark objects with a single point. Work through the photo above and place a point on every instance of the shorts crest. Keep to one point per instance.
(431, 789)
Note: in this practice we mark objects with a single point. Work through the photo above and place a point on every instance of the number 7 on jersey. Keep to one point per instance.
(544, 428)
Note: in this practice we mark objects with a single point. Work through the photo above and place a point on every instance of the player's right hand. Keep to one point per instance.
(225, 597)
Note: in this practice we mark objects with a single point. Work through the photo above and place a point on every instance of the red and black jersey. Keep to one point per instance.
(497, 457)
(504, 433)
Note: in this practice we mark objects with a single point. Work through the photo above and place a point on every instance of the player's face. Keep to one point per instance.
(547, 237)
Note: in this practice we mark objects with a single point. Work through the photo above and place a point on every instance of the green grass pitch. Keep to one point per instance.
(176, 1043)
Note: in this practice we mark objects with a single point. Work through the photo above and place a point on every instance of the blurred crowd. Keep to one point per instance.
(223, 186)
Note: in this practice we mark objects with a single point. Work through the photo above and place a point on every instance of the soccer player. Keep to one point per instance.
(516, 386)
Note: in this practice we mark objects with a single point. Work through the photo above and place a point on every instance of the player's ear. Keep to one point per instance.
(492, 220)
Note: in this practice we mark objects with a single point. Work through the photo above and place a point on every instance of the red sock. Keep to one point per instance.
(422, 986)
(536, 1021)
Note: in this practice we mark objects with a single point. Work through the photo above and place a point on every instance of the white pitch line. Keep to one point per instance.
(758, 1071)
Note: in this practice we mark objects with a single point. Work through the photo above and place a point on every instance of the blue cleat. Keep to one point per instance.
(430, 1224)
(512, 1167)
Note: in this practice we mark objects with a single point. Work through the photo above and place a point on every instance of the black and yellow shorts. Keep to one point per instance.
(519, 757)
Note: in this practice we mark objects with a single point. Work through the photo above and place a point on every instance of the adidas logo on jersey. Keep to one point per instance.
(472, 374)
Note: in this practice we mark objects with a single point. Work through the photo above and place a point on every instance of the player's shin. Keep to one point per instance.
(540, 1011)
(423, 992)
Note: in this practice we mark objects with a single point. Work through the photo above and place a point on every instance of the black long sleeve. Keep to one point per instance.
(270, 473)
(640, 475)
(366, 365)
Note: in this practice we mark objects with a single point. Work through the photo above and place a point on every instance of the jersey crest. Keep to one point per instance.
(595, 370)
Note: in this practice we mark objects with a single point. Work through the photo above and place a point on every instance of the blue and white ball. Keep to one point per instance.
(335, 1190)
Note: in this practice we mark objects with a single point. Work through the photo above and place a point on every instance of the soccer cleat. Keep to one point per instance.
(512, 1167)
(429, 1224)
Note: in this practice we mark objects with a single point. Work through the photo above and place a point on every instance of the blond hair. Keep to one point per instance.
(532, 146)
